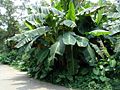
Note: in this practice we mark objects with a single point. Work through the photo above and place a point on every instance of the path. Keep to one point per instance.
(11, 79)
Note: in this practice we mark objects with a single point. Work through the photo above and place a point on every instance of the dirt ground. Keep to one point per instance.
(11, 79)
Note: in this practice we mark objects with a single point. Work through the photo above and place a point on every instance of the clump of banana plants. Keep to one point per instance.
(63, 39)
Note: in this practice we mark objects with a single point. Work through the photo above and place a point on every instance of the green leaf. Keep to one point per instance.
(99, 32)
(61, 76)
(69, 39)
(72, 63)
(103, 78)
(28, 48)
(47, 10)
(43, 9)
(89, 55)
(58, 6)
(57, 12)
(29, 25)
(82, 41)
(103, 48)
(100, 13)
(114, 15)
(42, 55)
(58, 80)
(99, 17)
(90, 10)
(113, 63)
(57, 48)
(96, 71)
(39, 18)
(97, 49)
(71, 12)
(68, 23)
(43, 75)
(118, 8)
(28, 36)
(69, 77)
(84, 71)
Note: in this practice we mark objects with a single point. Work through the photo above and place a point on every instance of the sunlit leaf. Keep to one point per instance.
(99, 32)
(71, 12)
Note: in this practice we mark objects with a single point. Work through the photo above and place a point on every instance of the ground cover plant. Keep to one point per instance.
(72, 43)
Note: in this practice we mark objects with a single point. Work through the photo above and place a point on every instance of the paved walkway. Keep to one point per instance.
(11, 79)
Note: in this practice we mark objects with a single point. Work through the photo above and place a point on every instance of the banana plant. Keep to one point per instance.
(56, 33)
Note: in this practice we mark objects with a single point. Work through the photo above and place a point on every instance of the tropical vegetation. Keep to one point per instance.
(73, 43)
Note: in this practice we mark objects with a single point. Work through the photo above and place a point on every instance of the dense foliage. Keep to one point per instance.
(71, 43)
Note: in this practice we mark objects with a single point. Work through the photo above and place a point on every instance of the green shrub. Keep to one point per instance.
(14, 59)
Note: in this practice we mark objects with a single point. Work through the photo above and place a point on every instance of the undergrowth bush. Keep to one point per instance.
(7, 58)
(14, 59)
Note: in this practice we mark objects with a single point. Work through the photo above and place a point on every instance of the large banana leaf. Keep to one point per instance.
(39, 18)
(72, 66)
(97, 50)
(28, 48)
(91, 10)
(57, 48)
(114, 15)
(28, 36)
(42, 55)
(47, 10)
(68, 23)
(57, 12)
(69, 39)
(82, 41)
(89, 55)
(113, 26)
